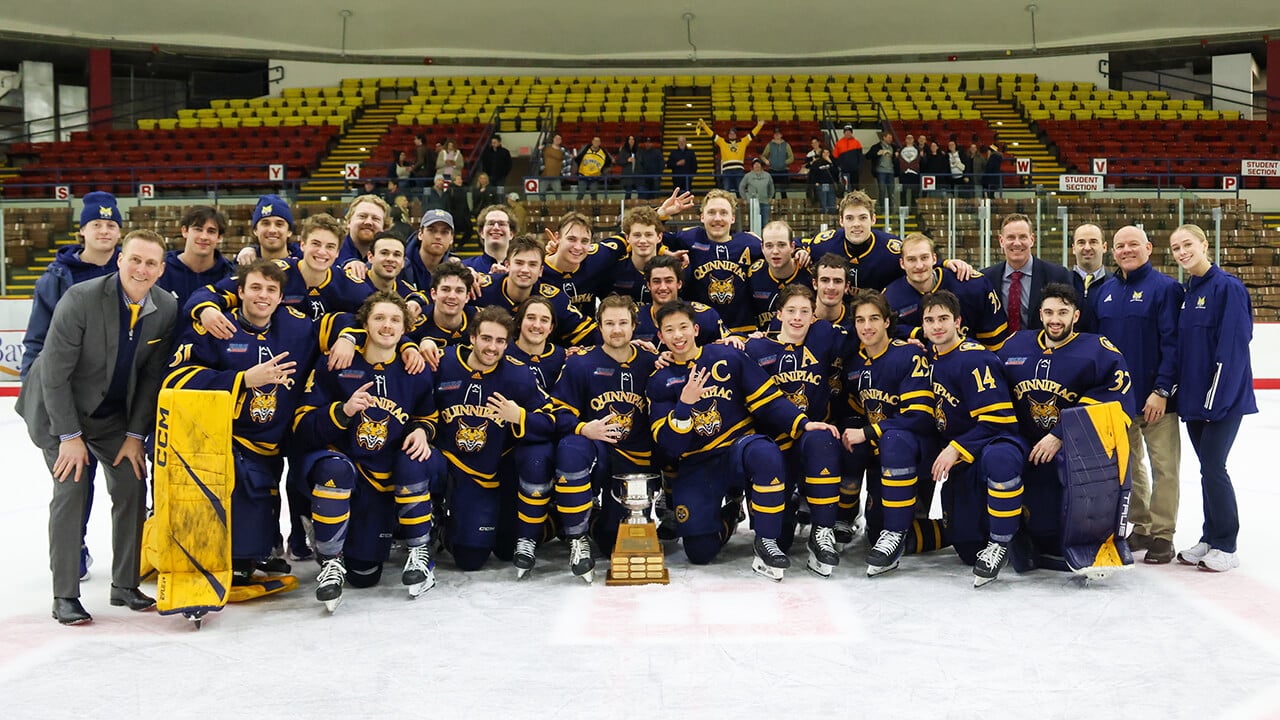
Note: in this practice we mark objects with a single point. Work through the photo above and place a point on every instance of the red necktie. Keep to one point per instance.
(1015, 301)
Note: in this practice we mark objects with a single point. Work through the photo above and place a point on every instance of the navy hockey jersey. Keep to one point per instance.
(891, 391)
(718, 273)
(572, 327)
(594, 386)
(983, 314)
(972, 402)
(340, 291)
(764, 288)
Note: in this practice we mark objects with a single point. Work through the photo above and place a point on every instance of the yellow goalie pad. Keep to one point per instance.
(188, 538)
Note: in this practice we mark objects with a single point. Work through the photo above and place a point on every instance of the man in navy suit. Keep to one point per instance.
(1022, 271)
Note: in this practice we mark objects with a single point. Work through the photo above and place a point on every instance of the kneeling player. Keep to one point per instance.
(702, 407)
(488, 407)
(800, 361)
(892, 397)
(602, 416)
(377, 467)
(974, 414)
(1080, 516)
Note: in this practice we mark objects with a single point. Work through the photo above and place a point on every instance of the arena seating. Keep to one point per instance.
(115, 160)
(1084, 101)
(296, 107)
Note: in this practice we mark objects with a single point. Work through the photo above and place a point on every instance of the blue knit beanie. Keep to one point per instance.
(272, 206)
(100, 206)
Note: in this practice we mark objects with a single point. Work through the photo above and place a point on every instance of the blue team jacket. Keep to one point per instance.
(1139, 315)
(1215, 378)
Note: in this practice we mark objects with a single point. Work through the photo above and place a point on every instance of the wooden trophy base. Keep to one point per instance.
(637, 557)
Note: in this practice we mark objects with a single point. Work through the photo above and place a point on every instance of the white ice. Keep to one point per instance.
(1155, 642)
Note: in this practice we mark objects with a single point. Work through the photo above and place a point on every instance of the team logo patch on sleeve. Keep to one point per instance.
(895, 246)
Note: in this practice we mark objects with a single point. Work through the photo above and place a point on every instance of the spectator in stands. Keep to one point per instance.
(848, 158)
(553, 157)
(934, 162)
(592, 161)
(626, 160)
(481, 195)
(882, 156)
(733, 153)
(992, 171)
(497, 226)
(1021, 277)
(449, 161)
(910, 165)
(424, 162)
(778, 156)
(401, 222)
(757, 185)
(815, 152)
(683, 164)
(393, 191)
(976, 166)
(436, 197)
(496, 160)
(403, 167)
(458, 199)
(822, 173)
(955, 164)
(199, 263)
(368, 186)
(649, 168)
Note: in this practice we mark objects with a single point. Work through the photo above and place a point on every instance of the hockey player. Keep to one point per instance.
(874, 255)
(720, 260)
(703, 407)
(582, 268)
(982, 461)
(198, 263)
(524, 269)
(485, 404)
(778, 269)
(604, 421)
(891, 397)
(447, 320)
(985, 321)
(372, 467)
(800, 361)
(311, 284)
(643, 229)
(1049, 371)
(535, 322)
(663, 275)
(256, 364)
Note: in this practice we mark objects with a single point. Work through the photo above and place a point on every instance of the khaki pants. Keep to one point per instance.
(1153, 505)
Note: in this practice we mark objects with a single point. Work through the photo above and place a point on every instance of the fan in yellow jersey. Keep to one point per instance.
(733, 153)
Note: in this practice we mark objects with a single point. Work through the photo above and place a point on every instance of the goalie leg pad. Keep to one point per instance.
(254, 502)
(1095, 477)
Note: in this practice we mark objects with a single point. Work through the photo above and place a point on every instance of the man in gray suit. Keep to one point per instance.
(93, 390)
(1023, 273)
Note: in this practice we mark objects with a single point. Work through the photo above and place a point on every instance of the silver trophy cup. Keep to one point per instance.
(636, 497)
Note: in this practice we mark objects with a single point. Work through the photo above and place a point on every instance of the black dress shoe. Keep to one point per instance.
(131, 598)
(69, 611)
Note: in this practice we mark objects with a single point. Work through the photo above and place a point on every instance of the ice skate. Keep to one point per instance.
(886, 553)
(332, 574)
(581, 561)
(843, 534)
(822, 551)
(419, 571)
(524, 558)
(770, 561)
(989, 563)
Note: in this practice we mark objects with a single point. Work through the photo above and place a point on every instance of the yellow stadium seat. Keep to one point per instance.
(229, 122)
(291, 92)
(147, 124)
(208, 122)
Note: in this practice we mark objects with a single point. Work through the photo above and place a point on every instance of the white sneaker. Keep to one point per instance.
(1218, 561)
(1194, 554)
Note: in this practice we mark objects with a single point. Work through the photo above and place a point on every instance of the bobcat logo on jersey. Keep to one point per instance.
(875, 415)
(1044, 415)
(262, 405)
(798, 399)
(940, 416)
(372, 434)
(707, 423)
(471, 438)
(720, 291)
(625, 421)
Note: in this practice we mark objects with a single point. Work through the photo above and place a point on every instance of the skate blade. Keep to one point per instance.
(522, 572)
(589, 576)
(773, 573)
(417, 589)
(874, 570)
(820, 569)
(980, 581)
(332, 605)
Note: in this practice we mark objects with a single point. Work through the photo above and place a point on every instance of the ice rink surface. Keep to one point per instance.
(1155, 642)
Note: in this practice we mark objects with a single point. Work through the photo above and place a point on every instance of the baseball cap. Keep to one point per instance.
(435, 216)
